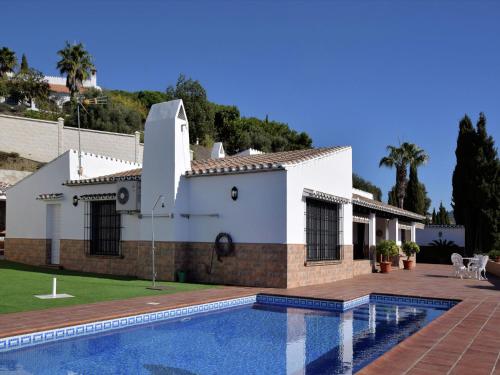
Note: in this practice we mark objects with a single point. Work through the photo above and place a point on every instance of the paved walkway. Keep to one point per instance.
(465, 340)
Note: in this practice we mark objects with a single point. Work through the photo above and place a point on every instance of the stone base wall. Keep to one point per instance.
(259, 265)
(135, 260)
(361, 267)
(302, 273)
(27, 250)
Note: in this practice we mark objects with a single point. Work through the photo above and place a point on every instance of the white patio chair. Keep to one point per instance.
(458, 265)
(478, 267)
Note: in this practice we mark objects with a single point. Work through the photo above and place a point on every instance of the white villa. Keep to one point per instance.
(293, 217)
(60, 93)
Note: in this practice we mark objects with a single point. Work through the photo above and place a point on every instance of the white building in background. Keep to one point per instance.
(60, 93)
(290, 215)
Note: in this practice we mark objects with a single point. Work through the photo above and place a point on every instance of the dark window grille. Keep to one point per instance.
(102, 228)
(323, 230)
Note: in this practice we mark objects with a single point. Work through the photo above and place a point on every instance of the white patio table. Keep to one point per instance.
(470, 261)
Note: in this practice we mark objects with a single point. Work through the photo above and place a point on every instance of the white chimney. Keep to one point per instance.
(166, 155)
(217, 151)
(93, 78)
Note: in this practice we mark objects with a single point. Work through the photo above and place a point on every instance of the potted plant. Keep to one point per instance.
(409, 248)
(494, 255)
(387, 249)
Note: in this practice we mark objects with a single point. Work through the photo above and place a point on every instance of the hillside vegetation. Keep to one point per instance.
(12, 160)
(126, 112)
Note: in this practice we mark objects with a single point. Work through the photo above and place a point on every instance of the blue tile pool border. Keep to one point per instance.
(36, 338)
(340, 306)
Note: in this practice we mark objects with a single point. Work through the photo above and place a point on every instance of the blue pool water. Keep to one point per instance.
(250, 339)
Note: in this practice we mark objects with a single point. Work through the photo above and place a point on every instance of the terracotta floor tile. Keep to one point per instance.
(428, 352)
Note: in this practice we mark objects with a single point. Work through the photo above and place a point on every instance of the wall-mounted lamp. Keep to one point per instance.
(75, 200)
(234, 193)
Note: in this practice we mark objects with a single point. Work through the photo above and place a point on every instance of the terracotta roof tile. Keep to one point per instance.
(61, 88)
(229, 164)
(3, 186)
(377, 205)
(275, 160)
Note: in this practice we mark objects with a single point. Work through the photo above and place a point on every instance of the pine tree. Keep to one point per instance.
(24, 64)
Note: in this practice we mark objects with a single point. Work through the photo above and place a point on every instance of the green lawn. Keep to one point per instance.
(19, 283)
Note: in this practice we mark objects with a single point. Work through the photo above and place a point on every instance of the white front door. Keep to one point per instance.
(54, 223)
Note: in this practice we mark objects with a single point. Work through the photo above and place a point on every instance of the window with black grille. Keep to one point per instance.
(323, 230)
(102, 228)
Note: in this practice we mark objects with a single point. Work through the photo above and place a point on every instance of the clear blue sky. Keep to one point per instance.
(360, 73)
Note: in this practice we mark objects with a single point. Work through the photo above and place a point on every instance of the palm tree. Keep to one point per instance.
(76, 63)
(8, 61)
(416, 156)
(400, 157)
(397, 158)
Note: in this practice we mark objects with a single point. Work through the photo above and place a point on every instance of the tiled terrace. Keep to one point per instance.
(465, 340)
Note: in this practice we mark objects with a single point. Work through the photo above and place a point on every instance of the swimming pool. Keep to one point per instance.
(252, 335)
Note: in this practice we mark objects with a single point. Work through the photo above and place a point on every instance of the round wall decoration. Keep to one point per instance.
(379, 233)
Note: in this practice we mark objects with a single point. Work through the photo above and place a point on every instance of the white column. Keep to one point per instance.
(60, 136)
(372, 238)
(413, 232)
(394, 230)
(137, 145)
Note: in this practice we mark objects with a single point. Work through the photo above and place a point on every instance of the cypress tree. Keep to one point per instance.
(476, 186)
(393, 197)
(442, 215)
(434, 216)
(415, 196)
(488, 187)
(24, 64)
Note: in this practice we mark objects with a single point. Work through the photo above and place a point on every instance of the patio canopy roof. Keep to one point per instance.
(366, 205)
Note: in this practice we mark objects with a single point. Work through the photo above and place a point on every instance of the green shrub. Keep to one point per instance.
(388, 249)
(410, 248)
(494, 254)
(40, 115)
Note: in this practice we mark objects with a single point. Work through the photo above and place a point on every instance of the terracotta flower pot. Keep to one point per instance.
(385, 267)
(408, 264)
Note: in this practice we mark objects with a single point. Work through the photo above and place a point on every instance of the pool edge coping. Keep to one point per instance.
(80, 329)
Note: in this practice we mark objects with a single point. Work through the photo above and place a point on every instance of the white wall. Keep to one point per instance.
(11, 176)
(431, 233)
(43, 141)
(331, 174)
(26, 216)
(120, 146)
(32, 139)
(257, 216)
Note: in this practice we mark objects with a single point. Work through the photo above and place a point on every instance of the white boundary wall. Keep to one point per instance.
(43, 141)
(455, 233)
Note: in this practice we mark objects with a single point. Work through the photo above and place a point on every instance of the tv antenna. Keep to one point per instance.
(82, 102)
